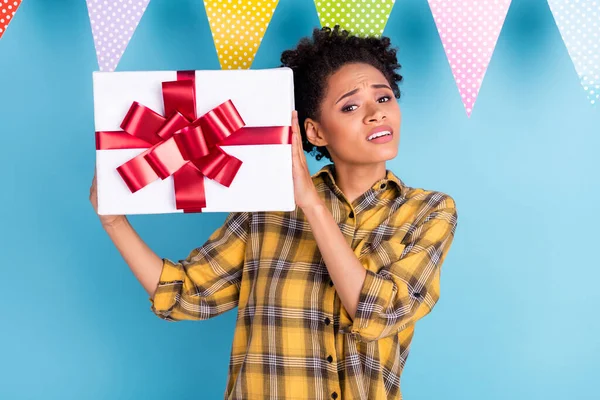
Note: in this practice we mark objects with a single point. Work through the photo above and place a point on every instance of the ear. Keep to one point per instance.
(314, 133)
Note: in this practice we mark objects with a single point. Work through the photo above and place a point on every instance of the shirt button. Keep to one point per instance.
(351, 215)
(334, 395)
(327, 321)
(329, 359)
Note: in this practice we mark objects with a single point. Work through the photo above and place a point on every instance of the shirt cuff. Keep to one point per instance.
(168, 289)
(370, 295)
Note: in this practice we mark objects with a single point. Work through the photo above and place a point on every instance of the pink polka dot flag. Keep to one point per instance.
(113, 24)
(469, 30)
(7, 12)
(579, 26)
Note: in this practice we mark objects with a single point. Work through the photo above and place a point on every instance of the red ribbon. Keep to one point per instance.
(182, 145)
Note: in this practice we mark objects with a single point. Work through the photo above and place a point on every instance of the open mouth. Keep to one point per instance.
(381, 134)
(378, 135)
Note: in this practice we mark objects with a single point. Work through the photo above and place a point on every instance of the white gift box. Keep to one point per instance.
(262, 97)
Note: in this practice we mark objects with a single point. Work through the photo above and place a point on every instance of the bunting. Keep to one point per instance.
(113, 24)
(8, 8)
(362, 18)
(579, 26)
(469, 30)
(238, 27)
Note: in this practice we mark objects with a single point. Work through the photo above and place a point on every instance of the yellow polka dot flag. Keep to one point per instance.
(361, 17)
(238, 27)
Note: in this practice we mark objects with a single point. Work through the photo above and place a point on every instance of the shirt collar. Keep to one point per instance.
(390, 179)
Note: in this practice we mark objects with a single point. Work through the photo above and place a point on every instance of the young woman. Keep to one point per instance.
(327, 295)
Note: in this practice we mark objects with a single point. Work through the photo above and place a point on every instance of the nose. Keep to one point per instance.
(374, 113)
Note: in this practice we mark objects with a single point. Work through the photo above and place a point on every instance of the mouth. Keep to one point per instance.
(381, 134)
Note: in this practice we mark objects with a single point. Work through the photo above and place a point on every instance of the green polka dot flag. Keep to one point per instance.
(361, 17)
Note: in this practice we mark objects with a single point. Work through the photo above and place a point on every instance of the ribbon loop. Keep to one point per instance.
(180, 96)
(176, 122)
(191, 143)
(143, 123)
(165, 159)
(219, 166)
(137, 173)
(220, 123)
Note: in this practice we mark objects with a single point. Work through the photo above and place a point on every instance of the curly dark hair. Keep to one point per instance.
(314, 60)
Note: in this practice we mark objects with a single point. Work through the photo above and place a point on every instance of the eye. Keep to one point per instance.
(384, 99)
(349, 108)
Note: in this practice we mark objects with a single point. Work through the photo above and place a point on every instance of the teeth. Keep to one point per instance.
(378, 134)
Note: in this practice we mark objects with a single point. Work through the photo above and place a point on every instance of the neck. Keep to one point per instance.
(354, 180)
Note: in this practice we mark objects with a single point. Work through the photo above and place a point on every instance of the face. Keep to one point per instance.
(358, 104)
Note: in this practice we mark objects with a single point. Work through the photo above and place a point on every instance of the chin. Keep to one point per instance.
(387, 154)
(380, 158)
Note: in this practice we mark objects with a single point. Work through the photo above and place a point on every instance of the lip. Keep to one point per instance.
(380, 128)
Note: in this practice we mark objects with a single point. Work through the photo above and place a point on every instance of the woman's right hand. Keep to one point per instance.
(106, 220)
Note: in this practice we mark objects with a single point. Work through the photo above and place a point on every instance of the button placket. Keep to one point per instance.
(329, 339)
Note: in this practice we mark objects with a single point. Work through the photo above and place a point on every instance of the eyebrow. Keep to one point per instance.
(374, 86)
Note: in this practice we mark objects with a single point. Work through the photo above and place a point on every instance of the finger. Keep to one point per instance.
(294, 142)
(295, 126)
(298, 151)
(294, 151)
(297, 134)
(298, 147)
(295, 138)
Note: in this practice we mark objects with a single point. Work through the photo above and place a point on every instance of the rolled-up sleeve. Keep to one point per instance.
(207, 282)
(406, 289)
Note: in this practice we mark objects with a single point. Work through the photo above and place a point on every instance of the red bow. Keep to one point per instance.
(183, 145)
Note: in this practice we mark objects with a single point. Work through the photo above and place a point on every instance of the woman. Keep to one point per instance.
(327, 295)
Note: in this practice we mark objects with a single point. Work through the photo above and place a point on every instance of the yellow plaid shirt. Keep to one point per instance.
(293, 338)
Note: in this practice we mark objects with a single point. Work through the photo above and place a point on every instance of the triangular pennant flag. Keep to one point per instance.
(363, 18)
(469, 30)
(579, 26)
(238, 27)
(8, 8)
(113, 24)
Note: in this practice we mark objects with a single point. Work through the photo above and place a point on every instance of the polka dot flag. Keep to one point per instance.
(469, 30)
(579, 26)
(361, 17)
(113, 24)
(238, 27)
(7, 12)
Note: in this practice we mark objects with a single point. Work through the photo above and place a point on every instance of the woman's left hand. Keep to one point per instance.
(305, 193)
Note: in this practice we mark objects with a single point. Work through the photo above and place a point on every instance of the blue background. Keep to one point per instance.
(518, 316)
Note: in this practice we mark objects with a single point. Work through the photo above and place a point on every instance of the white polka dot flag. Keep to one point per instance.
(238, 27)
(8, 8)
(579, 25)
(113, 24)
(361, 17)
(469, 30)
